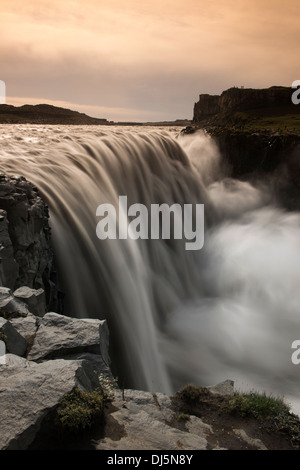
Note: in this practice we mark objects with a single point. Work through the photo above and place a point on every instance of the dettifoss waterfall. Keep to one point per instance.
(228, 311)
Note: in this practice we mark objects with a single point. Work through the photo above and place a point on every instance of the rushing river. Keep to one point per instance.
(229, 310)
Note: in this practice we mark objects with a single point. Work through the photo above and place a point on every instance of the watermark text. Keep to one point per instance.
(164, 222)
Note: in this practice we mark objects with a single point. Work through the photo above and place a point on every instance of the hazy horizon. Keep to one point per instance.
(144, 61)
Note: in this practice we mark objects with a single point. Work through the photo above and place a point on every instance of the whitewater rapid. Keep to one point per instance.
(227, 311)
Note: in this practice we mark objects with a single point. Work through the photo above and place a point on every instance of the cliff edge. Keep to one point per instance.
(267, 108)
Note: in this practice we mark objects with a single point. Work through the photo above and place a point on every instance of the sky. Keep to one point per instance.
(141, 60)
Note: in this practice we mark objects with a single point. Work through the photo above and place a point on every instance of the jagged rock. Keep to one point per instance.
(30, 391)
(8, 266)
(10, 306)
(15, 343)
(59, 336)
(33, 298)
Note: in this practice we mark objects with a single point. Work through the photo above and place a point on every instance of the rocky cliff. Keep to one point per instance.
(264, 155)
(26, 255)
(268, 101)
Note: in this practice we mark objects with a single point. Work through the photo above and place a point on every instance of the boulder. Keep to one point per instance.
(60, 336)
(30, 391)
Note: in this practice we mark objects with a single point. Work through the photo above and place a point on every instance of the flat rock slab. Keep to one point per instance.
(29, 391)
(58, 336)
(142, 420)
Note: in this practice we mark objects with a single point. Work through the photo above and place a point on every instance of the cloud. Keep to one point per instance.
(145, 55)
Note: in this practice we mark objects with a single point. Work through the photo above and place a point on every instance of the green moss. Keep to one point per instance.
(79, 410)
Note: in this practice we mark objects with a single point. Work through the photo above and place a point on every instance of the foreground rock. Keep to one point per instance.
(142, 421)
(72, 353)
(138, 421)
(58, 336)
(30, 391)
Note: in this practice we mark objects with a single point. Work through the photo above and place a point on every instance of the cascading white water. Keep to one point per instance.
(230, 310)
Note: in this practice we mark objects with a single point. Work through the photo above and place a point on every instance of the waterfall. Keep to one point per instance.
(230, 310)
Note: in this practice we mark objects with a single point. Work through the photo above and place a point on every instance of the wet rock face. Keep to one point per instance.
(26, 257)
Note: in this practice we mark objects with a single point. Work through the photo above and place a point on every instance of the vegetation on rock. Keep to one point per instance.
(79, 410)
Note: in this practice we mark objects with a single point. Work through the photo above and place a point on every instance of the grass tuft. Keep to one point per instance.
(258, 405)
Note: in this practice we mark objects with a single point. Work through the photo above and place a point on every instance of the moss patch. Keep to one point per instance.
(79, 410)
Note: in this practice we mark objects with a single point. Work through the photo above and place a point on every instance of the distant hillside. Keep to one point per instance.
(268, 108)
(44, 114)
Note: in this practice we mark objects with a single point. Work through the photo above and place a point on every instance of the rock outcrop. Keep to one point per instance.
(30, 391)
(26, 255)
(59, 336)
